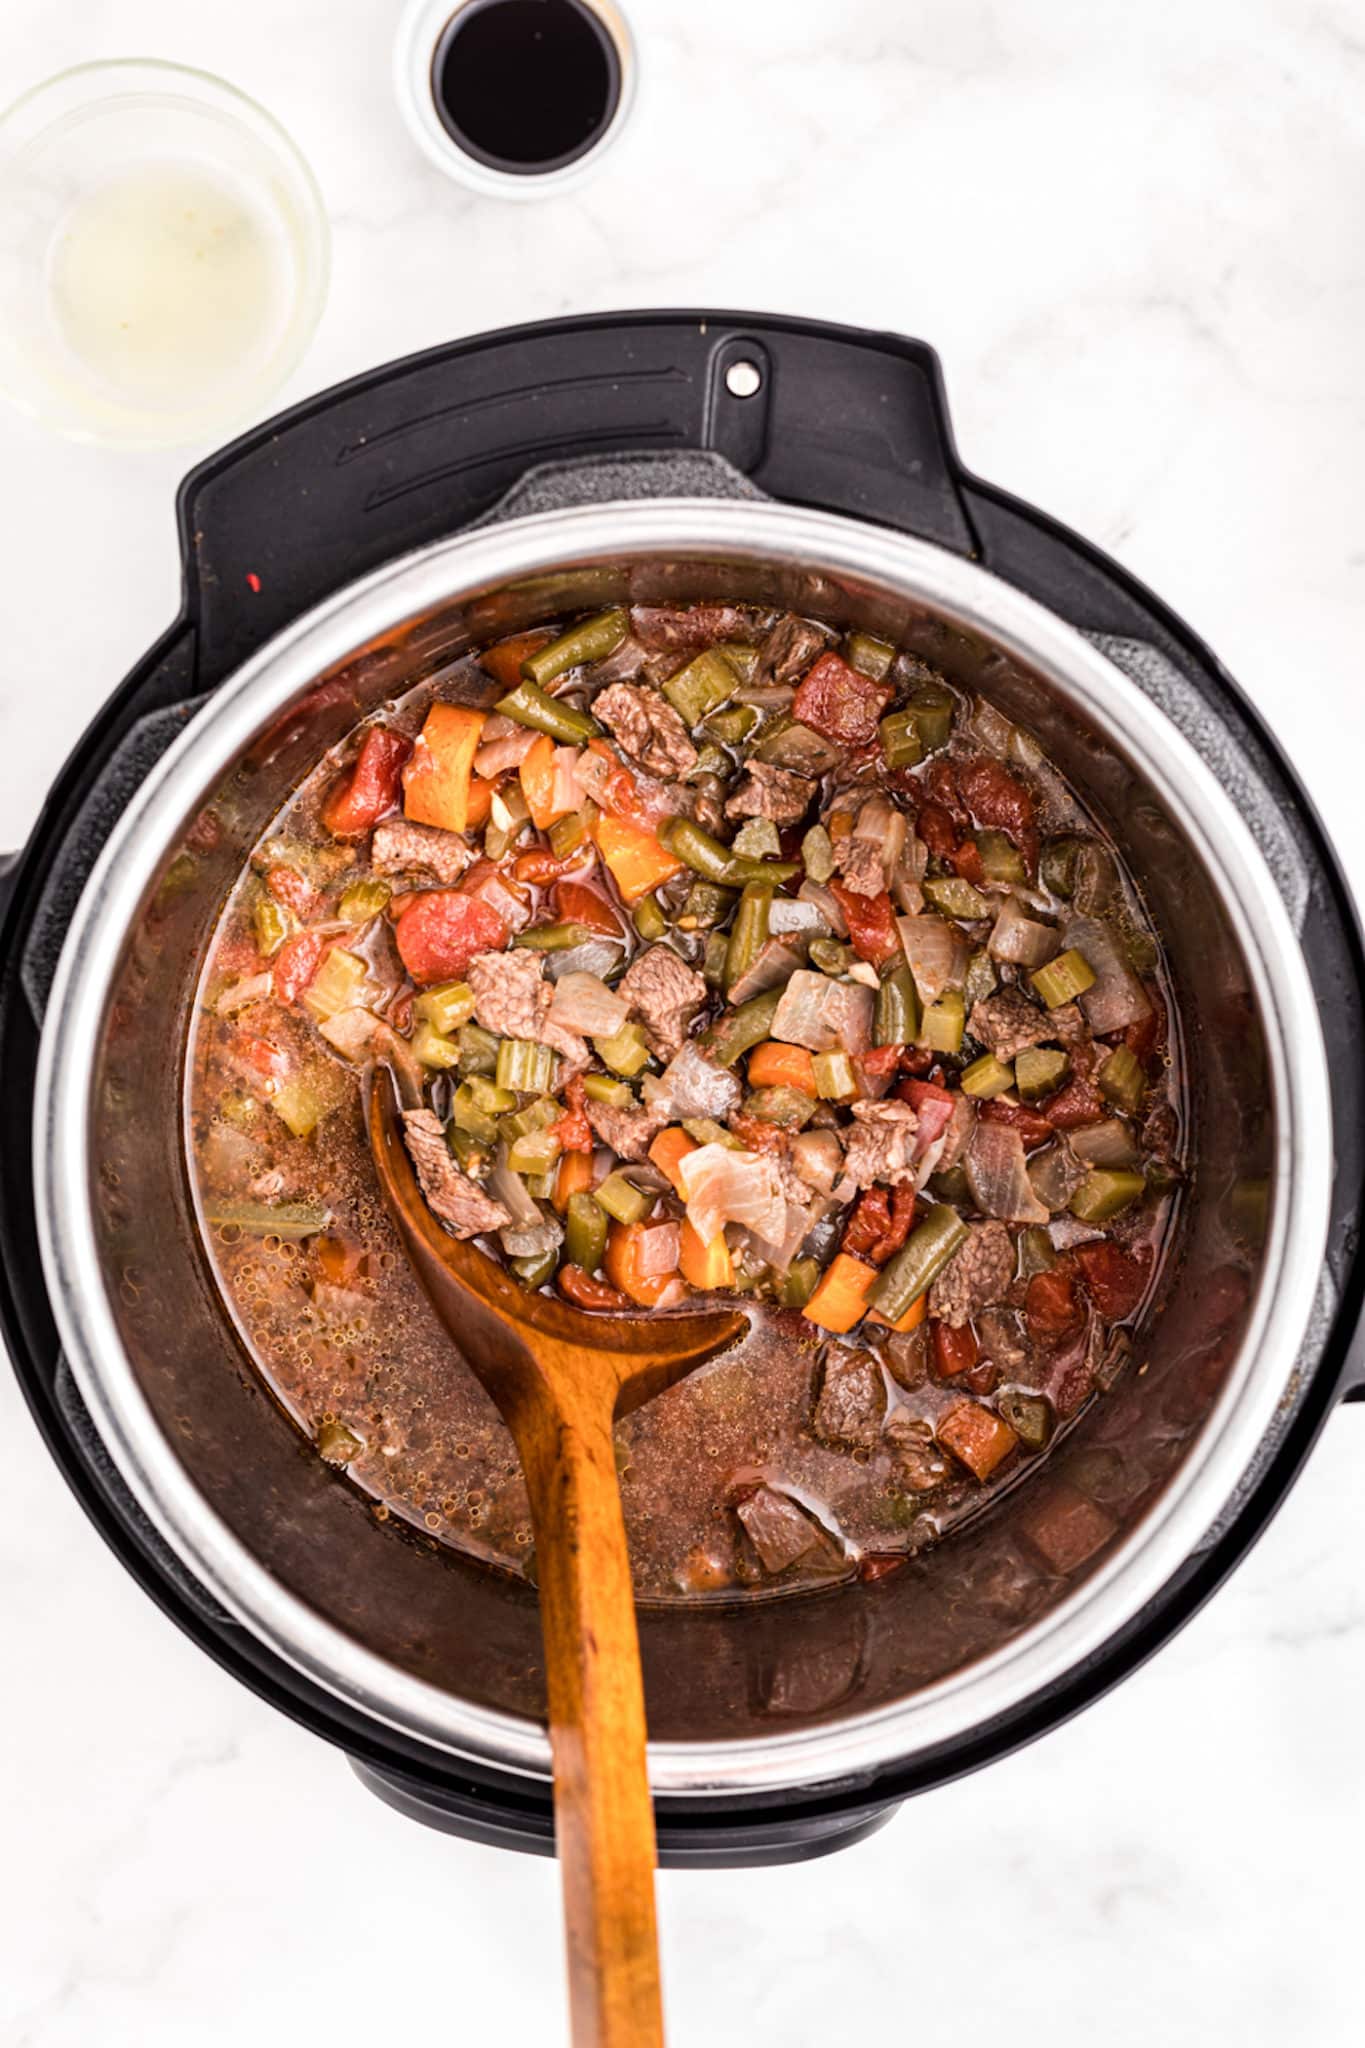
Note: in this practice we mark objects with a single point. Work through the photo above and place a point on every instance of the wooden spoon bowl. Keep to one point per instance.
(559, 1378)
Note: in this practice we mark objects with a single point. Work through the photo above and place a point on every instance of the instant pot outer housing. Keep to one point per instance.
(352, 547)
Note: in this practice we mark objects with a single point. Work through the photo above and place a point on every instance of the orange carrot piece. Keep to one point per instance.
(480, 806)
(621, 1264)
(774, 1065)
(705, 1265)
(912, 1318)
(436, 780)
(637, 860)
(537, 773)
(503, 661)
(668, 1148)
(978, 1439)
(573, 1176)
(840, 1300)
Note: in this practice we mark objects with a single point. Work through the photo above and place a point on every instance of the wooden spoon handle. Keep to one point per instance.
(604, 1821)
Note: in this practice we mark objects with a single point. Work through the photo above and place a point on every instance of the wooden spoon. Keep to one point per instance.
(559, 1377)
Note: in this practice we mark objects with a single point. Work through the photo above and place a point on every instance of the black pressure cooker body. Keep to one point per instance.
(841, 421)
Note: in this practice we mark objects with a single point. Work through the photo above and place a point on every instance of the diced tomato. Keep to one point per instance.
(297, 961)
(996, 798)
(939, 784)
(576, 904)
(361, 798)
(585, 1292)
(881, 1565)
(441, 931)
(267, 1058)
(1148, 1035)
(937, 830)
(953, 1351)
(540, 865)
(619, 793)
(880, 1224)
(1032, 1126)
(293, 890)
(840, 701)
(503, 660)
(756, 1132)
(1114, 1279)
(982, 1378)
(573, 1130)
(966, 861)
(880, 1060)
(1051, 1307)
(917, 1093)
(871, 924)
(1077, 1104)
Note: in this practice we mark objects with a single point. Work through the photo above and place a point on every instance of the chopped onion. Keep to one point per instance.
(884, 825)
(817, 1157)
(657, 1250)
(1055, 1174)
(796, 916)
(865, 972)
(252, 988)
(799, 748)
(779, 1252)
(937, 952)
(359, 1035)
(566, 792)
(773, 964)
(1066, 1232)
(908, 874)
(961, 1125)
(545, 1236)
(722, 1186)
(1110, 1145)
(849, 1012)
(494, 757)
(497, 894)
(766, 696)
(584, 1003)
(1117, 997)
(1021, 940)
(990, 726)
(511, 1190)
(998, 1175)
(822, 1014)
(692, 1085)
(598, 956)
(827, 903)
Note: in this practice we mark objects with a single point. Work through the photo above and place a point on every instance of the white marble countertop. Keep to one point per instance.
(1134, 233)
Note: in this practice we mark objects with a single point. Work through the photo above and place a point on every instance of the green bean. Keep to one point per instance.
(585, 1232)
(772, 872)
(649, 920)
(621, 1199)
(529, 705)
(525, 1066)
(987, 1077)
(713, 959)
(1069, 975)
(573, 830)
(733, 726)
(748, 933)
(896, 1020)
(706, 856)
(955, 897)
(739, 1031)
(701, 687)
(590, 640)
(534, 1270)
(831, 956)
(553, 938)
(925, 1253)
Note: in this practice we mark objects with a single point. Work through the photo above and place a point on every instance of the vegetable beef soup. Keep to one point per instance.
(722, 956)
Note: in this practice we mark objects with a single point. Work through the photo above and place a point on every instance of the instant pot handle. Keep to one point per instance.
(834, 417)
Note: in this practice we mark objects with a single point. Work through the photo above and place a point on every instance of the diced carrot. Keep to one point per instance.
(480, 804)
(774, 1065)
(504, 660)
(976, 1437)
(705, 1265)
(637, 860)
(668, 1148)
(436, 780)
(573, 1176)
(840, 1300)
(621, 1264)
(537, 773)
(912, 1318)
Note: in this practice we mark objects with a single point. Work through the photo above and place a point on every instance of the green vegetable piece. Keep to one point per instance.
(649, 920)
(952, 1185)
(704, 1130)
(360, 901)
(771, 872)
(870, 656)
(924, 1254)
(1028, 1415)
(955, 897)
(1063, 979)
(902, 741)
(552, 938)
(525, 1066)
(337, 1444)
(434, 1049)
(932, 706)
(1102, 1195)
(622, 1199)
(748, 933)
(1039, 1071)
(758, 839)
(944, 1022)
(706, 906)
(799, 1282)
(980, 978)
(817, 854)
(706, 856)
(602, 1088)
(292, 1220)
(831, 956)
(1001, 860)
(590, 640)
(446, 1006)
(510, 818)
(835, 1076)
(713, 959)
(742, 658)
(739, 1031)
(470, 1153)
(626, 1051)
(986, 1077)
(1035, 1253)
(338, 985)
(733, 726)
(272, 925)
(1057, 865)
(573, 830)
(537, 1153)
(537, 1116)
(896, 1020)
(475, 1109)
(585, 1232)
(478, 1050)
(1122, 1081)
(701, 687)
(534, 1270)
(492, 1099)
(529, 705)
(791, 1108)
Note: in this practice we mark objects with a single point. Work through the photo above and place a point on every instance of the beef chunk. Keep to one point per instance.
(980, 1272)
(880, 1143)
(1007, 1023)
(696, 625)
(399, 848)
(790, 648)
(920, 1465)
(1000, 1332)
(1069, 1026)
(629, 1132)
(460, 1202)
(512, 998)
(621, 666)
(860, 866)
(775, 793)
(779, 1530)
(852, 1399)
(645, 726)
(666, 993)
(958, 1135)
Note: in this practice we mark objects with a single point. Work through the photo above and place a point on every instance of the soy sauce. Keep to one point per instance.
(525, 85)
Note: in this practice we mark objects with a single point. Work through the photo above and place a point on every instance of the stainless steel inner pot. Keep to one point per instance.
(802, 1692)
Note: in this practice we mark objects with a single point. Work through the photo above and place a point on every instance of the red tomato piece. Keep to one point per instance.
(1114, 1279)
(871, 922)
(1077, 1104)
(290, 888)
(953, 1351)
(1033, 1127)
(361, 798)
(441, 931)
(996, 798)
(935, 827)
(868, 1224)
(573, 1130)
(967, 863)
(840, 701)
(880, 1566)
(917, 1093)
(540, 865)
(879, 1060)
(586, 1292)
(297, 961)
(577, 904)
(1051, 1308)
(756, 1132)
(265, 1056)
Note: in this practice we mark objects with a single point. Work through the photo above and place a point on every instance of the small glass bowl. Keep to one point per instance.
(164, 254)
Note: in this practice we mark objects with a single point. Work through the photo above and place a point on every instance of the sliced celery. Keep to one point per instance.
(525, 1066)
(625, 1052)
(622, 1200)
(944, 1022)
(1102, 1195)
(433, 1049)
(1063, 979)
(446, 1006)
(986, 1077)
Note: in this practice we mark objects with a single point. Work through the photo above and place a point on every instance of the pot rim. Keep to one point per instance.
(703, 529)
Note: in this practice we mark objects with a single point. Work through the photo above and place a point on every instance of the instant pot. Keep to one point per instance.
(350, 548)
